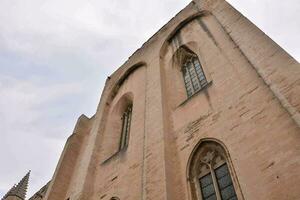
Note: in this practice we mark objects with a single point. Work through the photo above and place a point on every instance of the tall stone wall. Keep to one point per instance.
(250, 105)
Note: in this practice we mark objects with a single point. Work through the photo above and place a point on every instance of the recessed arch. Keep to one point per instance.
(123, 77)
(207, 161)
(197, 146)
(180, 25)
(180, 55)
(179, 85)
(114, 127)
(184, 22)
(119, 105)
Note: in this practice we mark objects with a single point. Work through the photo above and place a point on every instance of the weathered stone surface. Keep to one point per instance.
(251, 106)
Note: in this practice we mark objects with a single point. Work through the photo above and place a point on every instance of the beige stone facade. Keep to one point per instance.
(246, 115)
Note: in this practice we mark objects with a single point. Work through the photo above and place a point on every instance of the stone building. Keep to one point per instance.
(18, 191)
(208, 108)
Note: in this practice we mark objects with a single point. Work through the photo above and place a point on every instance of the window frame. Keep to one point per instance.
(215, 182)
(200, 165)
(125, 130)
(195, 75)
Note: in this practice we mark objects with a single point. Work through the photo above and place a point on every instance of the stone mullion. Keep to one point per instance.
(215, 183)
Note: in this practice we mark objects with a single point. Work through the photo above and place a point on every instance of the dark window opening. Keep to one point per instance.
(126, 121)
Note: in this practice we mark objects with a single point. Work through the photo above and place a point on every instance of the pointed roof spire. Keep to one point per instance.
(19, 189)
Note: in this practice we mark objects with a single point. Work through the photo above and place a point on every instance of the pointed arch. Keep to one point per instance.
(123, 77)
(210, 172)
(177, 29)
(116, 134)
(178, 47)
(192, 71)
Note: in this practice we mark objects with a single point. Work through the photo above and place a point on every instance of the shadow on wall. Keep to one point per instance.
(113, 130)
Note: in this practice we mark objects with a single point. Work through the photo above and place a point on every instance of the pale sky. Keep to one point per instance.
(55, 56)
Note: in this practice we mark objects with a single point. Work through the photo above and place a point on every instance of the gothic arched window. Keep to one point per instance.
(210, 175)
(193, 75)
(126, 121)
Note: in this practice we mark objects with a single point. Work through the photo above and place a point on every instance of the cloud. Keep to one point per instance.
(280, 20)
(55, 56)
(33, 127)
(54, 59)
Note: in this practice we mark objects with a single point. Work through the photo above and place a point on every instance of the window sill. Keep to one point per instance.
(115, 155)
(195, 94)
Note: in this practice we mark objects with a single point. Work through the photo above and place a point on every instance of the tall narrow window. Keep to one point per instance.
(193, 75)
(210, 174)
(126, 121)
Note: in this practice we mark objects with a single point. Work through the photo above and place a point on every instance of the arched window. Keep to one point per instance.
(193, 75)
(210, 175)
(126, 121)
(117, 128)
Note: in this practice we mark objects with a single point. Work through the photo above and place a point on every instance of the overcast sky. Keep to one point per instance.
(55, 56)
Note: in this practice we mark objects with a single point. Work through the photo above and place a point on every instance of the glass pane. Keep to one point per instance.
(189, 89)
(228, 192)
(125, 127)
(193, 75)
(206, 180)
(203, 82)
(197, 65)
(222, 171)
(195, 81)
(196, 61)
(201, 78)
(207, 187)
(191, 70)
(212, 197)
(189, 66)
(200, 73)
(198, 69)
(224, 181)
(189, 86)
(190, 92)
(208, 190)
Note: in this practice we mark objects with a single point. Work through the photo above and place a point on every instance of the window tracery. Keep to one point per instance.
(210, 174)
(192, 71)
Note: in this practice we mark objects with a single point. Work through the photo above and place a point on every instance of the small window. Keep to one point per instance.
(193, 75)
(126, 121)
